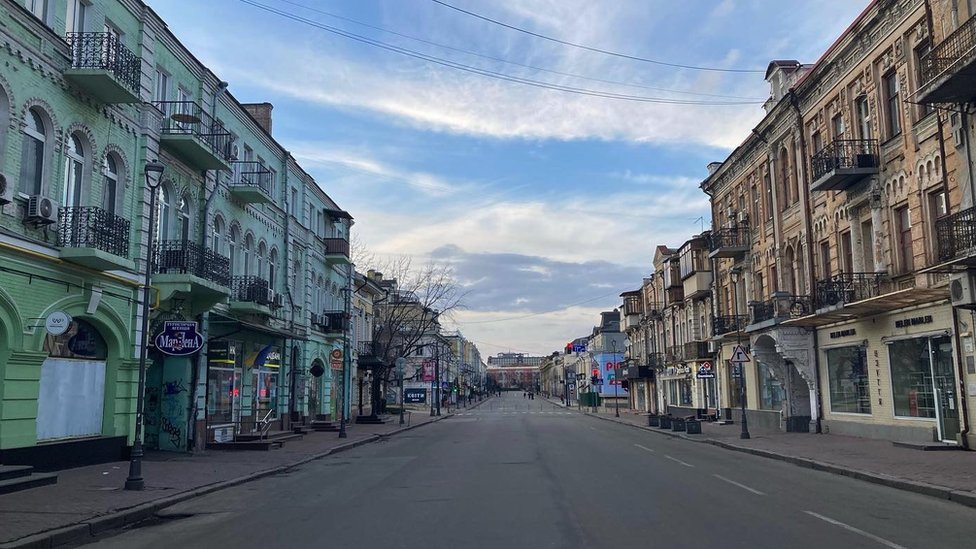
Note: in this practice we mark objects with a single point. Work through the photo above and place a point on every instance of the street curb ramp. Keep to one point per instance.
(962, 497)
(75, 533)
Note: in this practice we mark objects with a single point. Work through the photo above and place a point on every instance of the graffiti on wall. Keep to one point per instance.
(172, 415)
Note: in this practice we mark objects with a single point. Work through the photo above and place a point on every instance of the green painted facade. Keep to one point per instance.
(247, 243)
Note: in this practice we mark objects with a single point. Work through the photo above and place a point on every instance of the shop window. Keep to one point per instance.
(223, 382)
(911, 378)
(771, 392)
(847, 375)
(684, 392)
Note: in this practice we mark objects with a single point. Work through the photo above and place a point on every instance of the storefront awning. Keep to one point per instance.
(223, 320)
(872, 306)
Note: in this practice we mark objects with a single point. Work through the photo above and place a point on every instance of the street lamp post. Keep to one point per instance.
(154, 174)
(734, 274)
(401, 363)
(616, 380)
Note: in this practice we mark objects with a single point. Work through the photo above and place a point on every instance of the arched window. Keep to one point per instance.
(262, 253)
(74, 171)
(110, 183)
(33, 152)
(790, 272)
(184, 219)
(784, 178)
(272, 268)
(218, 234)
(163, 208)
(296, 269)
(233, 239)
(4, 121)
(248, 251)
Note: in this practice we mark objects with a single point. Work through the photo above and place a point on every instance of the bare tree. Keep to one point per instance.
(409, 315)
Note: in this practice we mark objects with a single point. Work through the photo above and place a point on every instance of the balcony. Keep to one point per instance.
(330, 322)
(251, 295)
(844, 162)
(252, 183)
(779, 307)
(656, 360)
(729, 242)
(102, 66)
(192, 134)
(696, 349)
(185, 270)
(336, 250)
(847, 288)
(957, 237)
(949, 71)
(95, 238)
(728, 324)
(698, 284)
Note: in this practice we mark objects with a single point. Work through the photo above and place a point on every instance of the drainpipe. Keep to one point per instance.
(714, 310)
(808, 243)
(963, 401)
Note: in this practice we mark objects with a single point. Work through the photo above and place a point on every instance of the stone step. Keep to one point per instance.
(27, 482)
(15, 471)
(259, 445)
(926, 446)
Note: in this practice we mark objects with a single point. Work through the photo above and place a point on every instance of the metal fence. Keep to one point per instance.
(189, 118)
(949, 53)
(724, 324)
(187, 257)
(93, 227)
(956, 234)
(729, 237)
(251, 289)
(101, 50)
(845, 154)
(847, 288)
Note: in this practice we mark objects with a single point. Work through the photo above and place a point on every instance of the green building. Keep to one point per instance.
(245, 244)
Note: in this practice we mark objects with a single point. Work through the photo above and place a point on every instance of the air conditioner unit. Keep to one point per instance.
(235, 151)
(743, 217)
(712, 347)
(958, 131)
(315, 320)
(6, 189)
(962, 291)
(277, 300)
(41, 210)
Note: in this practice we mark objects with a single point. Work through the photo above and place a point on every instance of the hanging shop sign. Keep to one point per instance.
(336, 356)
(415, 396)
(179, 338)
(222, 352)
(705, 371)
(57, 323)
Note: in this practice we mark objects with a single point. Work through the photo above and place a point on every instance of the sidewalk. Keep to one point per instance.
(89, 500)
(944, 474)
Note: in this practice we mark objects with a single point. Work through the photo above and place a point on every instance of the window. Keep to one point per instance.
(837, 126)
(863, 117)
(419, 351)
(76, 16)
(769, 195)
(825, 259)
(74, 171)
(816, 142)
(110, 183)
(4, 119)
(262, 253)
(162, 214)
(771, 392)
(846, 251)
(937, 209)
(246, 255)
(867, 244)
(233, 239)
(773, 278)
(217, 236)
(273, 269)
(784, 179)
(293, 206)
(38, 8)
(33, 153)
(847, 375)
(903, 226)
(892, 104)
(758, 284)
(161, 92)
(911, 378)
(920, 53)
(184, 219)
(754, 216)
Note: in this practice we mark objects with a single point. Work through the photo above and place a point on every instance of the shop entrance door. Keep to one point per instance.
(943, 381)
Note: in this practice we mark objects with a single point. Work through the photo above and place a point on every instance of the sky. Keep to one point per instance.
(548, 203)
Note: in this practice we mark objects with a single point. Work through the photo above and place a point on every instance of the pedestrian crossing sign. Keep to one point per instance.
(740, 355)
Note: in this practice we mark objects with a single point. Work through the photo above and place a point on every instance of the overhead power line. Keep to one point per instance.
(486, 72)
(529, 315)
(509, 61)
(590, 48)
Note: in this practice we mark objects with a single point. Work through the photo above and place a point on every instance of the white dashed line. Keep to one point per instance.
(740, 485)
(644, 448)
(850, 528)
(685, 463)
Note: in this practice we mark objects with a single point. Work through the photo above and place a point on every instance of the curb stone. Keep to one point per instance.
(962, 497)
(74, 533)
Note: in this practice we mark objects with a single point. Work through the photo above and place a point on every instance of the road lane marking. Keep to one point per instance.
(593, 428)
(850, 528)
(740, 485)
(644, 448)
(685, 463)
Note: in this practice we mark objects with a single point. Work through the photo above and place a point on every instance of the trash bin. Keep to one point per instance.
(678, 424)
(653, 420)
(665, 422)
(693, 427)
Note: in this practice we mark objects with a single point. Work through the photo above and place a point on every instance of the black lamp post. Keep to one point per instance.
(616, 379)
(154, 174)
(401, 363)
(734, 274)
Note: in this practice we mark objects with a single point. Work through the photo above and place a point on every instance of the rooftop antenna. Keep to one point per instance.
(701, 220)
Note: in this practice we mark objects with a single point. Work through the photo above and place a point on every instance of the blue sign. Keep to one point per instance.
(608, 364)
(415, 396)
(179, 338)
(579, 347)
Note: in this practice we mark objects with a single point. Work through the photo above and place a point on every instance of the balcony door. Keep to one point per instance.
(863, 118)
(74, 171)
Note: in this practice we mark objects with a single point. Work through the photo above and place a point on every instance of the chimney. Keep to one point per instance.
(260, 112)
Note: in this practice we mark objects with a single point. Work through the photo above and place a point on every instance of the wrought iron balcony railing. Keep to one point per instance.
(366, 348)
(725, 324)
(956, 234)
(183, 256)
(729, 237)
(781, 306)
(845, 154)
(949, 54)
(696, 349)
(336, 246)
(332, 321)
(102, 50)
(251, 289)
(763, 310)
(656, 360)
(847, 288)
(93, 227)
(189, 118)
(251, 173)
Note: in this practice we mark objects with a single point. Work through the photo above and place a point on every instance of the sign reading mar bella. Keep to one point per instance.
(179, 338)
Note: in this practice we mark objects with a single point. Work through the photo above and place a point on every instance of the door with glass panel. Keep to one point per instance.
(943, 379)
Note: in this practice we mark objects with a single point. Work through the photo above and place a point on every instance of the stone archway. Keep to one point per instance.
(316, 372)
(788, 352)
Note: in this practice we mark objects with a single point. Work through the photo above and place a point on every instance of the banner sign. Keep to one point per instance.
(179, 338)
(415, 396)
(608, 365)
(705, 371)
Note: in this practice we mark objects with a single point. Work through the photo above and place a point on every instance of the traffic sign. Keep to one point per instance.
(740, 355)
(705, 371)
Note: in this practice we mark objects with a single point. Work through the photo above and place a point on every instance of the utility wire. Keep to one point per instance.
(529, 315)
(486, 72)
(589, 48)
(509, 61)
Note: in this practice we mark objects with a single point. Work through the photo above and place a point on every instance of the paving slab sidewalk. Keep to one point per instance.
(944, 474)
(88, 500)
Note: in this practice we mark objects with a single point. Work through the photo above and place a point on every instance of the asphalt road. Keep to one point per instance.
(517, 473)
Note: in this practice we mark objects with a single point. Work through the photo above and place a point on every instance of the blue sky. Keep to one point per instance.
(548, 203)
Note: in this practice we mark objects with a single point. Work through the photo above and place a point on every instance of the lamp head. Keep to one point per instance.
(154, 173)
